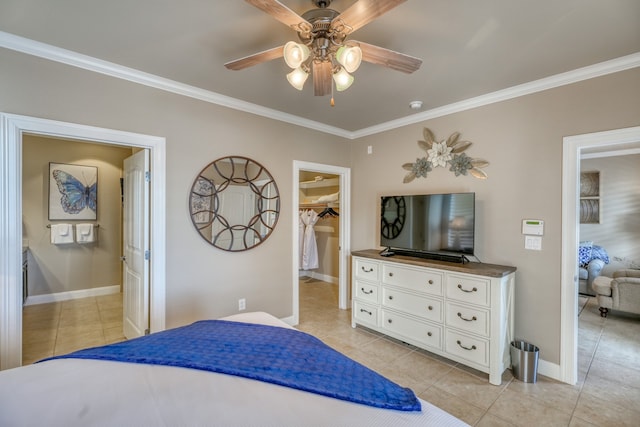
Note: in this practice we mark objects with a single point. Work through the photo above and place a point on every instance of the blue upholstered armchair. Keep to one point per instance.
(591, 259)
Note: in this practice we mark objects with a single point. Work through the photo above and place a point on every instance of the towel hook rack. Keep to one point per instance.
(95, 225)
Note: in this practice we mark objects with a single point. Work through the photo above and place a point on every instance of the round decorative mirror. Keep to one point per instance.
(393, 214)
(234, 203)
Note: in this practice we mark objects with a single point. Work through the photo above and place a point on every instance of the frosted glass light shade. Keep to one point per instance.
(349, 57)
(297, 78)
(343, 80)
(295, 54)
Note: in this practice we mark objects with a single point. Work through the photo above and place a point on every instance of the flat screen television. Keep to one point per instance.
(439, 226)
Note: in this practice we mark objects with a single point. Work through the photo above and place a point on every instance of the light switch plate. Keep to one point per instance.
(533, 243)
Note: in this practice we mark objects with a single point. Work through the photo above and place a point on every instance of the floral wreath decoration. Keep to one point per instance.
(439, 154)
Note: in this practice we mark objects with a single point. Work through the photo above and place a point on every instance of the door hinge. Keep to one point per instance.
(147, 255)
(147, 176)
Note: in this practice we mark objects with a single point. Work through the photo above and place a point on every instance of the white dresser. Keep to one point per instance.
(463, 312)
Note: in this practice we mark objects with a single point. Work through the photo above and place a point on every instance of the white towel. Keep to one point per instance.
(85, 233)
(61, 234)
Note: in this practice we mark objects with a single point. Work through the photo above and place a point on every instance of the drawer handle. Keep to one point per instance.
(430, 282)
(365, 292)
(390, 274)
(473, 347)
(429, 334)
(430, 308)
(389, 320)
(464, 290)
(390, 297)
(473, 319)
(367, 270)
(362, 310)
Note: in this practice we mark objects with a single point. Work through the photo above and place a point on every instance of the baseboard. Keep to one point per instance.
(548, 369)
(319, 276)
(288, 320)
(69, 295)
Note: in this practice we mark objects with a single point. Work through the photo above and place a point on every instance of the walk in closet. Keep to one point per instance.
(319, 236)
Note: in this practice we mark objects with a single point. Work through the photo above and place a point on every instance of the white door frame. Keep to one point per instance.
(345, 231)
(572, 147)
(12, 127)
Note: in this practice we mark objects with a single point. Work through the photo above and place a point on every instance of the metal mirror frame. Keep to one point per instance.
(392, 218)
(206, 206)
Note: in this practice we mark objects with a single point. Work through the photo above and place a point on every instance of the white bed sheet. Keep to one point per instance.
(78, 392)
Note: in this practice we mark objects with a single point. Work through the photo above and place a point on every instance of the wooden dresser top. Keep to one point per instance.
(477, 268)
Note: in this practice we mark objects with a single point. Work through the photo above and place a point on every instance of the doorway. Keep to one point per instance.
(342, 178)
(573, 146)
(73, 294)
(12, 129)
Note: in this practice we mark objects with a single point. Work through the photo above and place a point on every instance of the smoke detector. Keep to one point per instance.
(415, 105)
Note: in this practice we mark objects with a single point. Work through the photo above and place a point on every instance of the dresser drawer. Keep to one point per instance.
(473, 349)
(426, 334)
(429, 308)
(367, 270)
(422, 280)
(470, 319)
(366, 291)
(365, 313)
(468, 289)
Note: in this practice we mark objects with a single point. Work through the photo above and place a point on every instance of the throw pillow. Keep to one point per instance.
(584, 253)
(599, 252)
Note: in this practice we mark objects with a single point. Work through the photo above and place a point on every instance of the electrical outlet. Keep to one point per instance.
(369, 149)
(242, 304)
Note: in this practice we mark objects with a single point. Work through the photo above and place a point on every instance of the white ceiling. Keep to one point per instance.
(469, 48)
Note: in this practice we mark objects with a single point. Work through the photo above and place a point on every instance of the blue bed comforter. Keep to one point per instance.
(281, 356)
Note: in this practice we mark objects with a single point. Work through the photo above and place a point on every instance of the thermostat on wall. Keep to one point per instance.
(533, 227)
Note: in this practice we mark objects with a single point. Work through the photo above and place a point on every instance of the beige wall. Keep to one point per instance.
(71, 267)
(619, 228)
(202, 281)
(522, 140)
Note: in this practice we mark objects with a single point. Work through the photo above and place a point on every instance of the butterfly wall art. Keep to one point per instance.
(73, 192)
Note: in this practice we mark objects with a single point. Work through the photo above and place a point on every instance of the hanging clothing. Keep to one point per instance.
(301, 227)
(309, 246)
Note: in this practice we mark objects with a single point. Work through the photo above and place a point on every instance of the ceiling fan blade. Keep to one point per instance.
(322, 74)
(256, 58)
(362, 12)
(281, 12)
(389, 58)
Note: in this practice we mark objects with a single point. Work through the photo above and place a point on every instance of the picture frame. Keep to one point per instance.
(590, 197)
(73, 192)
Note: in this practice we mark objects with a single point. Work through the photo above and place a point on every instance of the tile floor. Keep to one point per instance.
(62, 327)
(607, 394)
(608, 391)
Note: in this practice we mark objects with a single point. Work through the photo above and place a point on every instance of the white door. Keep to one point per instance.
(136, 245)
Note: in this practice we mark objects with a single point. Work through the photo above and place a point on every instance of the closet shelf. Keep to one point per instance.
(331, 182)
(319, 205)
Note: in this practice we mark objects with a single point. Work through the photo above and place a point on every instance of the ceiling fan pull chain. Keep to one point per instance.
(333, 103)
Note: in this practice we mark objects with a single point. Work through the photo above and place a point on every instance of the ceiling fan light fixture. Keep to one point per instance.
(297, 78)
(343, 79)
(349, 57)
(295, 54)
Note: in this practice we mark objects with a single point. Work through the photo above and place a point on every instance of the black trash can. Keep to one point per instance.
(524, 361)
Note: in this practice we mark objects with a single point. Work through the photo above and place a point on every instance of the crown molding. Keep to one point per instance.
(574, 76)
(74, 59)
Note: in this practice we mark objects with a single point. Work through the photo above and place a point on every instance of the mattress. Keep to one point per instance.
(79, 392)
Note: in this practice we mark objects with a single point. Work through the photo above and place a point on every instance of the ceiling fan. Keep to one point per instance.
(324, 50)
